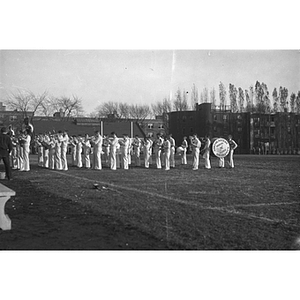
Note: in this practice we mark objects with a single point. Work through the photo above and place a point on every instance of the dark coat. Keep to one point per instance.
(5, 145)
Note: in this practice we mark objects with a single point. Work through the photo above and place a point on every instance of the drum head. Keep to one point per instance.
(220, 147)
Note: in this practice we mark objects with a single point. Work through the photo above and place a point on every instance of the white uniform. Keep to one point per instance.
(167, 153)
(64, 149)
(157, 150)
(52, 154)
(73, 144)
(196, 144)
(146, 150)
(14, 155)
(172, 152)
(26, 150)
(57, 156)
(97, 149)
(113, 152)
(40, 152)
(124, 146)
(206, 154)
(137, 151)
(233, 145)
(86, 153)
(184, 146)
(78, 153)
(46, 141)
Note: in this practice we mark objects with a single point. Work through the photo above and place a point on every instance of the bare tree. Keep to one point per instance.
(213, 98)
(275, 101)
(107, 108)
(298, 103)
(232, 97)
(241, 98)
(180, 103)
(248, 101)
(283, 95)
(140, 112)
(222, 95)
(293, 102)
(194, 97)
(161, 107)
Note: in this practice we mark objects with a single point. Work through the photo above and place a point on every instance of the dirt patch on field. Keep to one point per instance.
(45, 221)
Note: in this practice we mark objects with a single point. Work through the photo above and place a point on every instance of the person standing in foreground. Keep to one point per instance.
(26, 149)
(172, 151)
(5, 149)
(167, 153)
(196, 144)
(233, 145)
(97, 142)
(184, 146)
(64, 149)
(206, 152)
(113, 142)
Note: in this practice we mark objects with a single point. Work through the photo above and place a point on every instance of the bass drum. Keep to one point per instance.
(220, 147)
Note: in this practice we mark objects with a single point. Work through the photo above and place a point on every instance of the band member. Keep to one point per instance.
(40, 148)
(57, 156)
(106, 150)
(5, 149)
(27, 126)
(206, 152)
(20, 151)
(52, 152)
(172, 151)
(167, 153)
(13, 154)
(64, 149)
(158, 143)
(113, 142)
(10, 132)
(87, 149)
(46, 146)
(26, 149)
(137, 150)
(73, 143)
(97, 142)
(146, 150)
(184, 146)
(196, 144)
(79, 151)
(124, 145)
(233, 145)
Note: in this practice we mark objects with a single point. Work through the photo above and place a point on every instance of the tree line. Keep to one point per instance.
(255, 99)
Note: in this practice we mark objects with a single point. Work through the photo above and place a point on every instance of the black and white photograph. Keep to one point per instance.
(173, 155)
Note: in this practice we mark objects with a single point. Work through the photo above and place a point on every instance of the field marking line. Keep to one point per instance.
(226, 209)
(263, 204)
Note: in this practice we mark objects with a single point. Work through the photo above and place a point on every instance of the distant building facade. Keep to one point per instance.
(255, 133)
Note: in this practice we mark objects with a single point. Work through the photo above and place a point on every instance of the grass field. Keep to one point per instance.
(253, 206)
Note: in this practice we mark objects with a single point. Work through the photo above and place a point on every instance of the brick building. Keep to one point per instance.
(255, 133)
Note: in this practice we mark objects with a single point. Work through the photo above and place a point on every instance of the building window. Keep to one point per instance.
(183, 118)
(215, 117)
(191, 118)
(13, 118)
(160, 126)
(239, 117)
(150, 134)
(224, 117)
(239, 129)
(191, 130)
(1, 116)
(150, 126)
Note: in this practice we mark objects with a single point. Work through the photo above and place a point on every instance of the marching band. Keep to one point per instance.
(115, 152)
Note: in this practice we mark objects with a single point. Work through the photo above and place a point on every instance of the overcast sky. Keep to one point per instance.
(142, 76)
